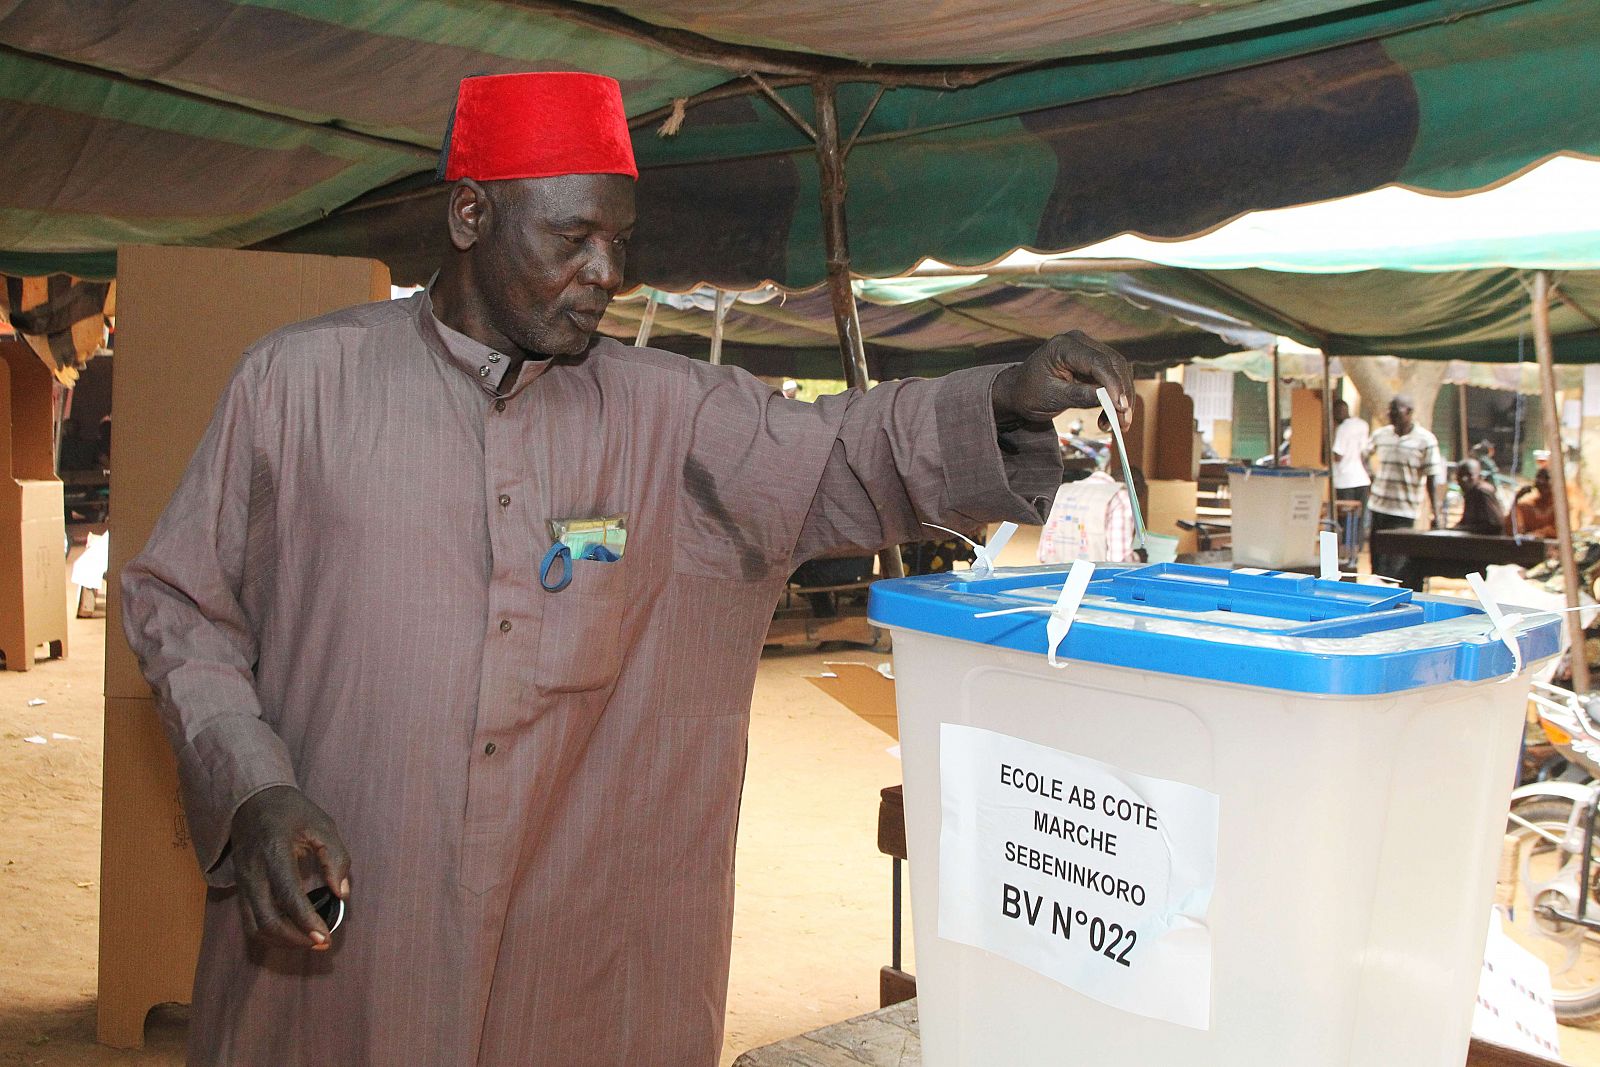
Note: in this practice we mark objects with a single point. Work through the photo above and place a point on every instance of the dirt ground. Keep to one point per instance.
(811, 925)
(810, 932)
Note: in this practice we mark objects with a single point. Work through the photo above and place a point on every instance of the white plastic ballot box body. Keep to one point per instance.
(1253, 819)
(1277, 514)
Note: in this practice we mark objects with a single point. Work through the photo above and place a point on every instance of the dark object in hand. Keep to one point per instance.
(280, 840)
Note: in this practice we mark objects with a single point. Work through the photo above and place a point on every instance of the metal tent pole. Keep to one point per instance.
(1558, 474)
(836, 241)
(1327, 440)
(1273, 438)
(719, 313)
(647, 321)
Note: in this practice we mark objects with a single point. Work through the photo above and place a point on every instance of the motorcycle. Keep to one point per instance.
(1550, 871)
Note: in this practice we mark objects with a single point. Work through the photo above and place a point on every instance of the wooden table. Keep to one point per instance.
(888, 1037)
(1454, 553)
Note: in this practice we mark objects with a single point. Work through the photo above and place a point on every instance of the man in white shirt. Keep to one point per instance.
(1409, 468)
(1350, 478)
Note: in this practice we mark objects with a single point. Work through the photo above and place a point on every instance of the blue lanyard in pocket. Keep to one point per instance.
(560, 553)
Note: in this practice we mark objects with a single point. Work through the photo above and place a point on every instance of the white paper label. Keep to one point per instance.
(1304, 506)
(1095, 877)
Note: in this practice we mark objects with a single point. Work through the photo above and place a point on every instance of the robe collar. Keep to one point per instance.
(476, 360)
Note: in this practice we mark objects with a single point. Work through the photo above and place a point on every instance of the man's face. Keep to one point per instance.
(1341, 411)
(1467, 474)
(1399, 416)
(1541, 482)
(549, 257)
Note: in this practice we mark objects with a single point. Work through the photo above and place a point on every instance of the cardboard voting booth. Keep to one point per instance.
(33, 565)
(1307, 421)
(185, 316)
(1161, 443)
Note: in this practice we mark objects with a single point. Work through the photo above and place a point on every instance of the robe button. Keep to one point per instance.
(494, 357)
(499, 405)
(505, 501)
(505, 626)
(483, 372)
(488, 750)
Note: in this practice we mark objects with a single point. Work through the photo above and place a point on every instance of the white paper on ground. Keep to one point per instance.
(1093, 876)
(1514, 1003)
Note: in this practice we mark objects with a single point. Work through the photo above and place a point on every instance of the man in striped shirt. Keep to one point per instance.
(1408, 467)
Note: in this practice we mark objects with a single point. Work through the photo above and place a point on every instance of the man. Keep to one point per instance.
(1409, 467)
(1350, 478)
(1535, 508)
(1481, 512)
(517, 761)
(1092, 519)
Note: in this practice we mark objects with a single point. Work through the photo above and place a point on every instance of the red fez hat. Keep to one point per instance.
(537, 126)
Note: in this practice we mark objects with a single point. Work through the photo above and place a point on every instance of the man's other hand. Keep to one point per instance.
(1061, 374)
(277, 835)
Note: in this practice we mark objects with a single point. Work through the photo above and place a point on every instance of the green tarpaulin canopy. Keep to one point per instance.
(1450, 286)
(311, 126)
(1479, 316)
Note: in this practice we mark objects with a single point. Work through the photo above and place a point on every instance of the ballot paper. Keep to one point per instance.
(1088, 874)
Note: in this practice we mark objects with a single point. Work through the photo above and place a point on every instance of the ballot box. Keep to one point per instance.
(1277, 514)
(1249, 818)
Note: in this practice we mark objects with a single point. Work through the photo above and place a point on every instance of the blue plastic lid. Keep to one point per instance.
(1279, 472)
(1263, 628)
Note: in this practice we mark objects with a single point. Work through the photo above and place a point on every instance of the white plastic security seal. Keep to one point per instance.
(1503, 624)
(1062, 612)
(983, 566)
(1329, 542)
(1066, 609)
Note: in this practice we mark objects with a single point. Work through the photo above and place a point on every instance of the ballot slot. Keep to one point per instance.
(1285, 604)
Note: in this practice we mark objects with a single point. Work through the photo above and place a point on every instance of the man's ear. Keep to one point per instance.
(469, 213)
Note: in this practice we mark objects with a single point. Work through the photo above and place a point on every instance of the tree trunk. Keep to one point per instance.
(1380, 378)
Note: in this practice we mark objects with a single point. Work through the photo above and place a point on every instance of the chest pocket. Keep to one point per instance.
(581, 637)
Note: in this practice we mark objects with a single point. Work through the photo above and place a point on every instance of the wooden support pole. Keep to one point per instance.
(836, 241)
(1463, 438)
(1558, 474)
(836, 236)
(719, 313)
